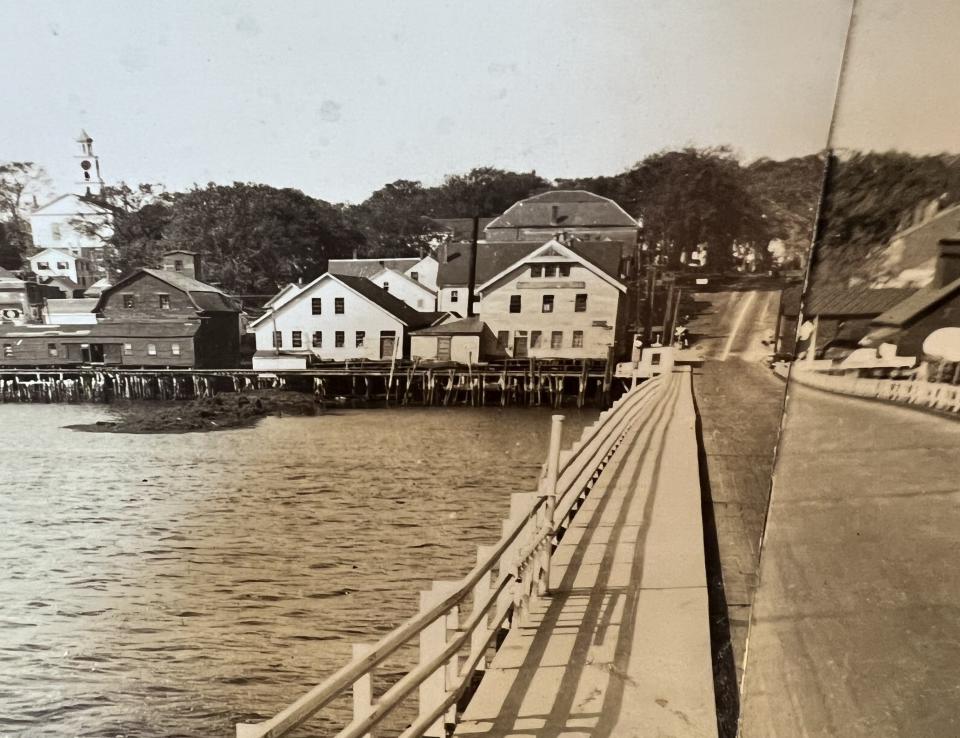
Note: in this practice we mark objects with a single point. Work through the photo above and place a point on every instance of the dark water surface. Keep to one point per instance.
(170, 585)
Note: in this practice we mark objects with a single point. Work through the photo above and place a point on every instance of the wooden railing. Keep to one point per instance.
(508, 576)
(934, 395)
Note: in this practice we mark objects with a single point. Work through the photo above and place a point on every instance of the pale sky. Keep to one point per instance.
(339, 98)
(901, 86)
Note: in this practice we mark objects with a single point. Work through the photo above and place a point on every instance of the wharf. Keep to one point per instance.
(621, 645)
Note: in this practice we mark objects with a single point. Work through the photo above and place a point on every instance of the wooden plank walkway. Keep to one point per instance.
(621, 646)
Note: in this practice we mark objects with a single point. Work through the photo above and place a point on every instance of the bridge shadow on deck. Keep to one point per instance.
(587, 615)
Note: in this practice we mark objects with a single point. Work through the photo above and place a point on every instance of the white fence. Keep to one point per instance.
(935, 395)
(453, 646)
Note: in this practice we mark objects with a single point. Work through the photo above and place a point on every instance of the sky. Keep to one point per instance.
(339, 98)
(901, 83)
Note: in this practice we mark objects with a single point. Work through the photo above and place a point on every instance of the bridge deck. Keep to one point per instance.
(621, 647)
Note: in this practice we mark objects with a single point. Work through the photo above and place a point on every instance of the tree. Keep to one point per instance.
(10, 257)
(20, 183)
(393, 220)
(485, 191)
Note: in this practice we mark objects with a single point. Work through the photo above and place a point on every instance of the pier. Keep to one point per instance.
(590, 614)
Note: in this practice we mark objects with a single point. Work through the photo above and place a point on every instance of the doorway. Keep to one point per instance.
(443, 348)
(388, 344)
(520, 347)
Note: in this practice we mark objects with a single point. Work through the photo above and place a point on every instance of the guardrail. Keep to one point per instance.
(508, 576)
(933, 395)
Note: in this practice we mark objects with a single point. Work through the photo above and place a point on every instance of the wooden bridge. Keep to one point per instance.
(588, 616)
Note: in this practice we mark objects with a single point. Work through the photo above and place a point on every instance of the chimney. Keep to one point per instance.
(948, 263)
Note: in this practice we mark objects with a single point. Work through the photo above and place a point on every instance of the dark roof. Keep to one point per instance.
(461, 229)
(205, 297)
(67, 305)
(396, 307)
(61, 281)
(605, 255)
(368, 267)
(914, 306)
(463, 327)
(575, 208)
(841, 301)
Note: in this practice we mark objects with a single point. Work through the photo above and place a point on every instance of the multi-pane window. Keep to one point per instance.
(52, 349)
(175, 349)
(127, 349)
(536, 339)
(318, 339)
(296, 339)
(550, 270)
(338, 305)
(514, 303)
(564, 270)
(164, 302)
(415, 276)
(8, 349)
(503, 338)
(128, 301)
(277, 339)
(178, 265)
(536, 270)
(43, 265)
(548, 303)
(454, 295)
(151, 349)
(577, 339)
(386, 286)
(360, 337)
(63, 265)
(316, 306)
(338, 339)
(580, 304)
(556, 339)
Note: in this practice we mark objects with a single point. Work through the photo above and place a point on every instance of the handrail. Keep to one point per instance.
(521, 558)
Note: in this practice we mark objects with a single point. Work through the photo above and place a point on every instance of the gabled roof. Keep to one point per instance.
(851, 302)
(372, 293)
(205, 297)
(394, 274)
(555, 248)
(97, 288)
(287, 292)
(492, 258)
(574, 209)
(369, 267)
(82, 206)
(58, 252)
(61, 281)
(461, 229)
(917, 304)
(77, 305)
(463, 327)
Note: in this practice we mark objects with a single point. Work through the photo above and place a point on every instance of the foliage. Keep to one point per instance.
(9, 254)
(20, 183)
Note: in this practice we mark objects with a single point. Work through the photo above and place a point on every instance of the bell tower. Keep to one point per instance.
(90, 182)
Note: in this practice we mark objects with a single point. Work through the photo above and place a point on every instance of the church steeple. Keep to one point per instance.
(90, 183)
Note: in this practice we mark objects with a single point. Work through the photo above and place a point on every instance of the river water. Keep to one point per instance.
(171, 585)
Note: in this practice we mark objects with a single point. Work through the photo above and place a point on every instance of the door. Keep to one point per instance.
(443, 348)
(520, 347)
(388, 343)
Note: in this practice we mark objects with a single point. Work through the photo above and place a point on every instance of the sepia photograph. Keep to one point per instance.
(423, 368)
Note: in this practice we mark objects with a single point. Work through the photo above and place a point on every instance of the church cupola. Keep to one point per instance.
(90, 183)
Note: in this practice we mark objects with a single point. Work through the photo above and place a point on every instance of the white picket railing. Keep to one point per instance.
(507, 577)
(935, 395)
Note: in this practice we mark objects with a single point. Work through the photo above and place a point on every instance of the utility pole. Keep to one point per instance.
(651, 296)
(472, 279)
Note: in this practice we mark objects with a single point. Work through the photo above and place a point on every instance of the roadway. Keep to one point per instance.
(740, 404)
(856, 622)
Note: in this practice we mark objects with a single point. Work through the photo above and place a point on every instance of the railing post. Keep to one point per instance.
(433, 639)
(363, 687)
(481, 591)
(550, 491)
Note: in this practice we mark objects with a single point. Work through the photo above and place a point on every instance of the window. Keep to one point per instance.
(415, 276)
(175, 349)
(419, 304)
(338, 305)
(386, 286)
(277, 339)
(55, 232)
(548, 303)
(127, 349)
(503, 338)
(318, 339)
(564, 270)
(52, 349)
(556, 339)
(296, 339)
(178, 265)
(128, 301)
(43, 266)
(536, 270)
(580, 304)
(550, 270)
(338, 339)
(8, 349)
(536, 339)
(164, 302)
(316, 306)
(360, 336)
(454, 295)
(64, 265)
(577, 339)
(514, 303)
(151, 349)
